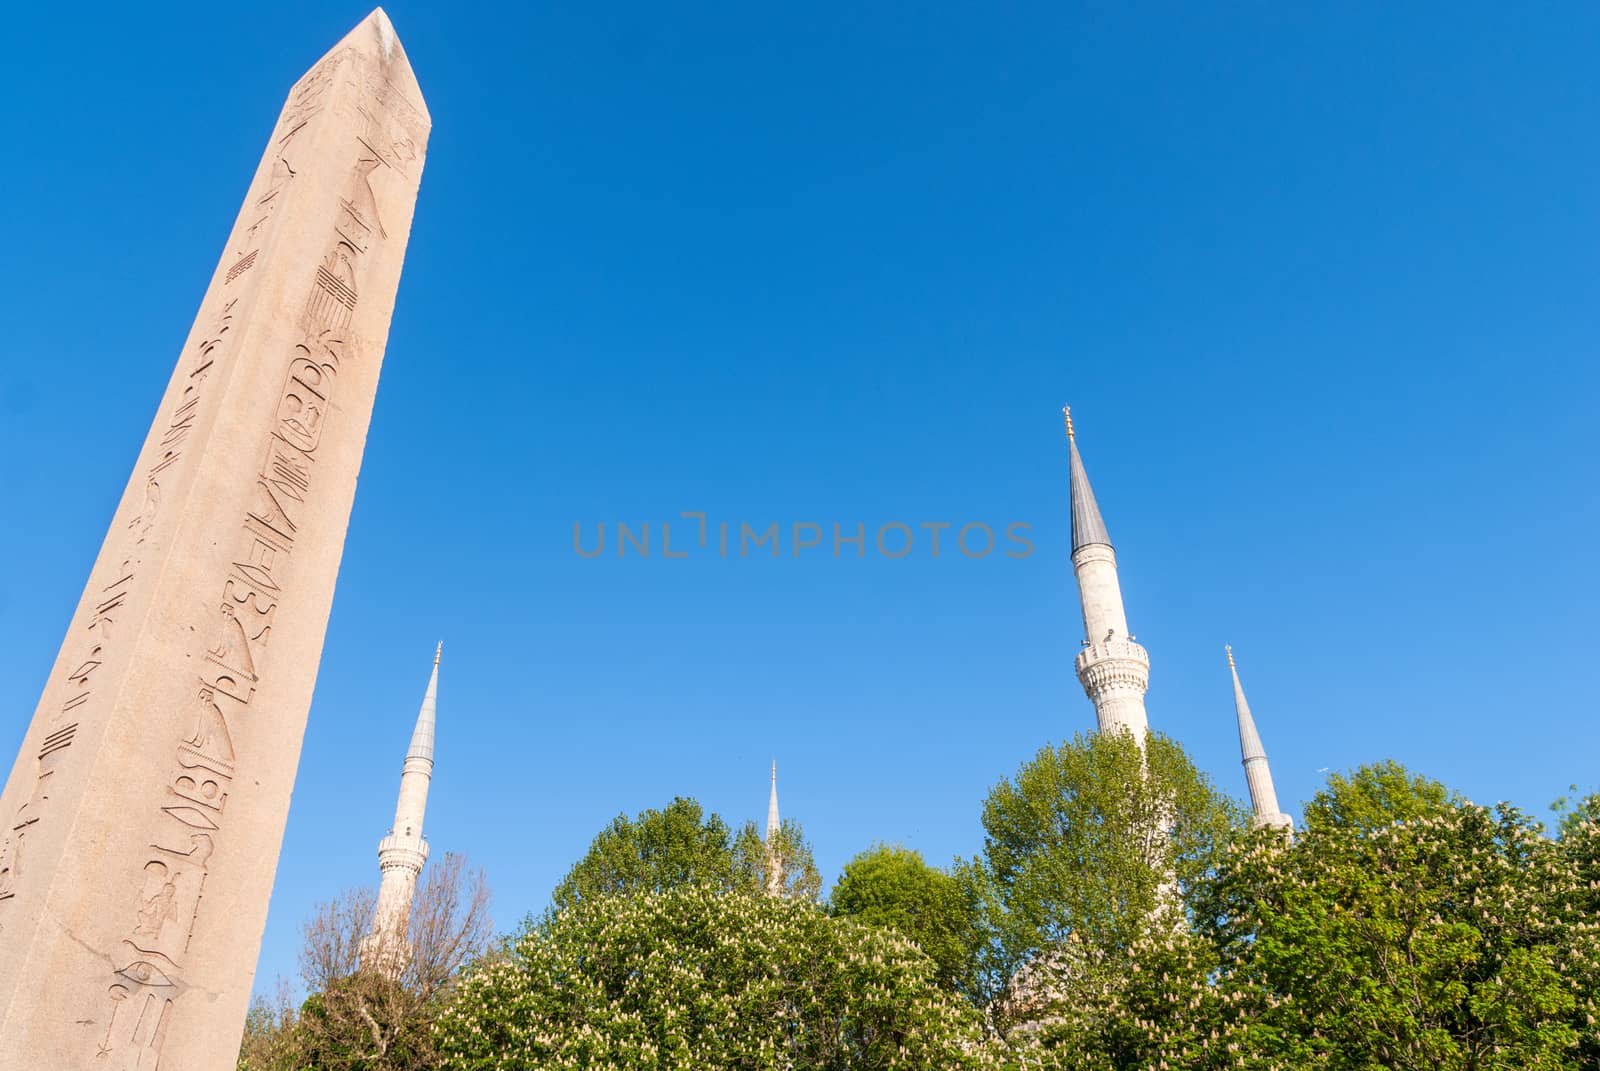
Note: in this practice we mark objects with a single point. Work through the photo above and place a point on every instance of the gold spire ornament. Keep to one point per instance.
(1066, 413)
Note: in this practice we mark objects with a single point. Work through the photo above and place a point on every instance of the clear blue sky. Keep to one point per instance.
(1321, 287)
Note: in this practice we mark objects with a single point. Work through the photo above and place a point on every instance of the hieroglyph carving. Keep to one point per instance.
(98, 632)
(306, 100)
(147, 976)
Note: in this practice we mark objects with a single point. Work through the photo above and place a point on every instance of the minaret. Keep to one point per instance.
(402, 853)
(774, 827)
(1263, 797)
(1114, 670)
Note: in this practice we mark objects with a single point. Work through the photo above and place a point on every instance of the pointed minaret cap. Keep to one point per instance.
(1249, 740)
(422, 737)
(1087, 526)
(773, 822)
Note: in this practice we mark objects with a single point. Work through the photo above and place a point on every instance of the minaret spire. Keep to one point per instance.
(774, 849)
(773, 823)
(403, 852)
(1263, 797)
(1113, 669)
(1088, 527)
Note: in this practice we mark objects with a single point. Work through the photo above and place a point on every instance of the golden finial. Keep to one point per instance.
(437, 651)
(1066, 412)
(1229, 649)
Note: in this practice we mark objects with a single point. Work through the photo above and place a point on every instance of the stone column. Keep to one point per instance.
(141, 824)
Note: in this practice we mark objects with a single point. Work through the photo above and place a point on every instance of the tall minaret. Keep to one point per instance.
(1114, 670)
(774, 827)
(402, 853)
(1263, 797)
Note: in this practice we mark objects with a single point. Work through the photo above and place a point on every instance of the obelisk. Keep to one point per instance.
(140, 825)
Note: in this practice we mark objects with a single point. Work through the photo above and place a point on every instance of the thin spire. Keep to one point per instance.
(1087, 526)
(1249, 739)
(1263, 795)
(422, 737)
(773, 823)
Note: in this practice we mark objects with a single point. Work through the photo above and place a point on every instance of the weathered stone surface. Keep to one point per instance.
(141, 824)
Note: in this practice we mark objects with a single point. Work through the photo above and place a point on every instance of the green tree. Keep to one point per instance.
(690, 979)
(893, 887)
(1579, 846)
(682, 845)
(1079, 842)
(1572, 812)
(1377, 795)
(270, 1041)
(1434, 942)
(754, 860)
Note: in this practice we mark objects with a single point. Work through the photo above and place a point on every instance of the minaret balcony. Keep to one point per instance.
(1112, 667)
(1113, 650)
(399, 850)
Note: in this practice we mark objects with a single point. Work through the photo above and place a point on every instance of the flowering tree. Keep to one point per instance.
(1445, 941)
(1403, 929)
(689, 979)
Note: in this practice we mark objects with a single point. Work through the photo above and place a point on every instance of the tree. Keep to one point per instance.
(1571, 813)
(1083, 838)
(680, 845)
(1377, 795)
(269, 1042)
(1152, 1004)
(754, 859)
(690, 978)
(893, 887)
(359, 1019)
(1436, 942)
(1579, 846)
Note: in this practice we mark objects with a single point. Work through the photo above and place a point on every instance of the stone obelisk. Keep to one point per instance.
(140, 825)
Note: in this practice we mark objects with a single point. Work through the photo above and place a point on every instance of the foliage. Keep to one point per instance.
(361, 1019)
(1573, 812)
(1437, 942)
(692, 979)
(269, 1042)
(1151, 1004)
(1580, 910)
(1120, 918)
(681, 845)
(893, 887)
(754, 860)
(1079, 842)
(1404, 929)
(1377, 795)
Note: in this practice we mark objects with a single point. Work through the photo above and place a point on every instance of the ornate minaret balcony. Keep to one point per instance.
(1115, 674)
(1110, 665)
(399, 851)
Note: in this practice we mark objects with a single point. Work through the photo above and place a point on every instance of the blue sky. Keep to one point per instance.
(1320, 286)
